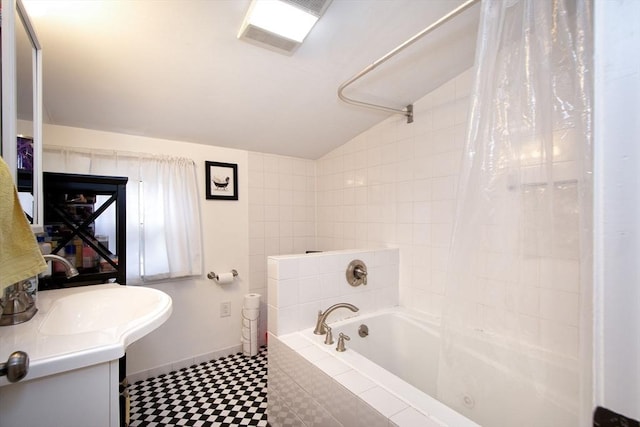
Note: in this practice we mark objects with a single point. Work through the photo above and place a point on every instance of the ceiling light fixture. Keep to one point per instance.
(282, 19)
(281, 24)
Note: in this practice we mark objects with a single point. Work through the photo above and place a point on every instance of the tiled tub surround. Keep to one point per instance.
(301, 285)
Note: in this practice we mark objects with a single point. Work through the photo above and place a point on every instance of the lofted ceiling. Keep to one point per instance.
(174, 69)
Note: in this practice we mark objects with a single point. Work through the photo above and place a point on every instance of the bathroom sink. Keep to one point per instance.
(84, 326)
(113, 311)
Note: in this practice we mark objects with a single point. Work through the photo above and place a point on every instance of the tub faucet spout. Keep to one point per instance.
(322, 316)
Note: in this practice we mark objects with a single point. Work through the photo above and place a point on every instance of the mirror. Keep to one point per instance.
(24, 109)
(21, 106)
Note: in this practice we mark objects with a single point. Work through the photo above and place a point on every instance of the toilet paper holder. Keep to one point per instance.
(213, 276)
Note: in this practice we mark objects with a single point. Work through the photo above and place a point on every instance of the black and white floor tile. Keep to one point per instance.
(230, 391)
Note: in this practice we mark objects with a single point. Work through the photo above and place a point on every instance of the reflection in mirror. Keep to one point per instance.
(25, 82)
(25, 176)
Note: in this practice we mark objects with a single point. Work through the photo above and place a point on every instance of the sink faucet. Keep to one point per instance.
(321, 325)
(16, 303)
(70, 270)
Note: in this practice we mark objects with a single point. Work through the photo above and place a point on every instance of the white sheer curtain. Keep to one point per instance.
(516, 318)
(163, 209)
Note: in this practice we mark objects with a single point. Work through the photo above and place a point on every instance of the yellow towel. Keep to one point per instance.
(20, 256)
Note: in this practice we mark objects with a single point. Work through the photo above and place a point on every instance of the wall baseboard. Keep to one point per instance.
(134, 377)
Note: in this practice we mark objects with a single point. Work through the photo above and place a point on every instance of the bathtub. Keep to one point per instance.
(372, 383)
(396, 365)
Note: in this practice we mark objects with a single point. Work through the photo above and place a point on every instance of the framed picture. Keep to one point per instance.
(222, 180)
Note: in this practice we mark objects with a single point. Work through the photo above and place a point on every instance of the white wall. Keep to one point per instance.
(617, 206)
(195, 332)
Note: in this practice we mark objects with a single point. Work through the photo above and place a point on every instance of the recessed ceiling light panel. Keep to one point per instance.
(281, 24)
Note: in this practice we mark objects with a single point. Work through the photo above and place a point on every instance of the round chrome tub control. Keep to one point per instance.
(357, 273)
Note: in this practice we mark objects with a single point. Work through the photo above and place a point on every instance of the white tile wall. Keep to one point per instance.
(281, 216)
(281, 209)
(396, 184)
(301, 285)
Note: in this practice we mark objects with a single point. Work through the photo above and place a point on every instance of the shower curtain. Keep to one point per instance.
(516, 347)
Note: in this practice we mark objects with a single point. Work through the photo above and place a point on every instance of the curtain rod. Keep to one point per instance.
(408, 110)
(99, 151)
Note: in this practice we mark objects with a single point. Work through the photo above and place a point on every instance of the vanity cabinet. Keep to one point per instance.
(85, 397)
(73, 205)
(77, 344)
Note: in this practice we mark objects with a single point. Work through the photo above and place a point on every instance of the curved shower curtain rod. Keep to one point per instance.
(408, 110)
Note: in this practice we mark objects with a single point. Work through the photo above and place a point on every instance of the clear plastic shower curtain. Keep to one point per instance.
(516, 346)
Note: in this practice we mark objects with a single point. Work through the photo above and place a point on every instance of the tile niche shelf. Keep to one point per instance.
(72, 204)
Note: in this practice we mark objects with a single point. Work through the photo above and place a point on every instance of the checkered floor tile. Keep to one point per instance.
(231, 391)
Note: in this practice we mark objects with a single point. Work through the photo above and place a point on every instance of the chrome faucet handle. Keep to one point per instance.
(361, 273)
(359, 277)
(341, 338)
(356, 273)
(328, 340)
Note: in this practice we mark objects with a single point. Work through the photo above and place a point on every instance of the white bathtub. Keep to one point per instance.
(307, 378)
(400, 355)
(397, 344)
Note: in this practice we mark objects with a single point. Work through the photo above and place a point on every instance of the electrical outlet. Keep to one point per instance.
(225, 309)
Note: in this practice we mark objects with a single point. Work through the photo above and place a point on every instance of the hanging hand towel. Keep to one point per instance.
(20, 256)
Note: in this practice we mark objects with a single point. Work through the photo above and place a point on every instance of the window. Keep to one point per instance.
(163, 210)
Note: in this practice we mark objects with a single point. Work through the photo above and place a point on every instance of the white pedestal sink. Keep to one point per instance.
(74, 342)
